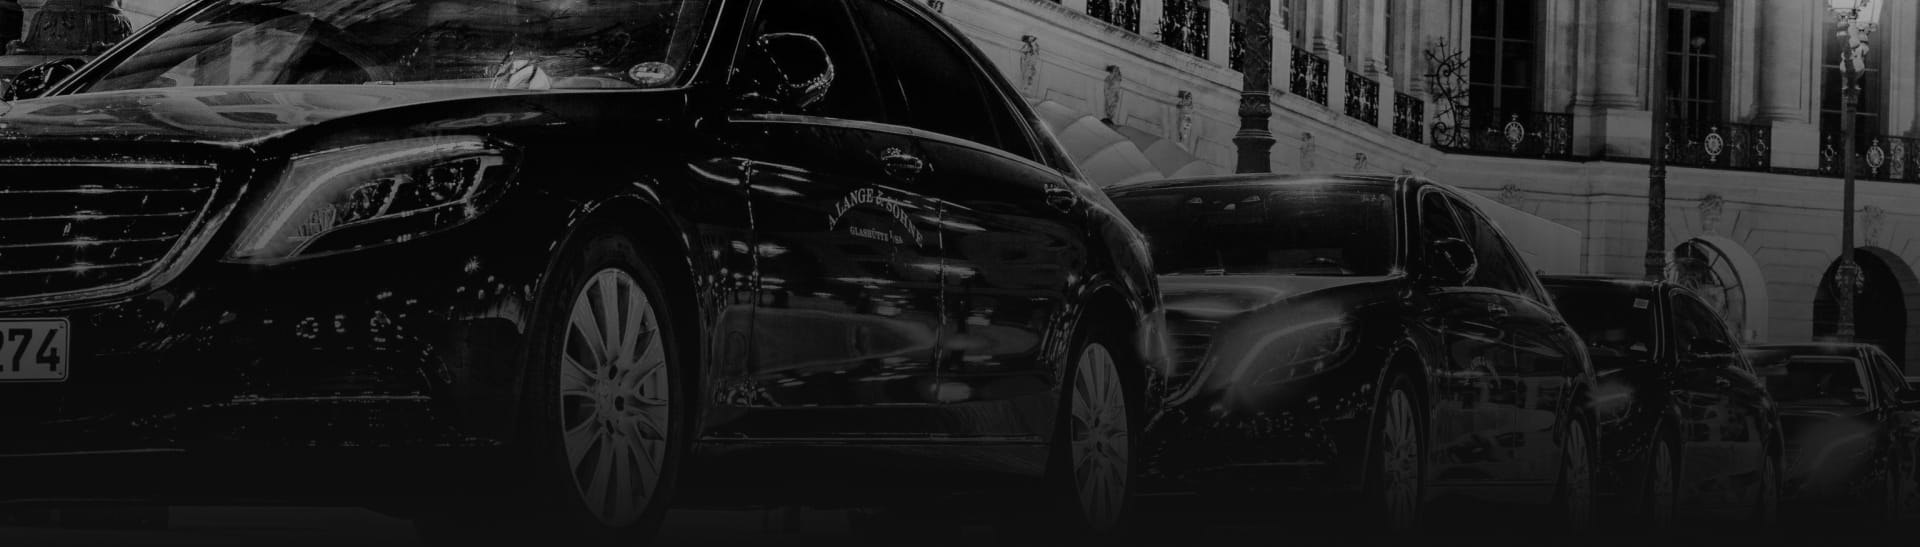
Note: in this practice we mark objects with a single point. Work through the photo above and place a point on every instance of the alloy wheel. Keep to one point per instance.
(1400, 463)
(614, 394)
(1101, 446)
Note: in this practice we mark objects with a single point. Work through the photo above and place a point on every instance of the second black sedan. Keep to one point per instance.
(1686, 427)
(1370, 336)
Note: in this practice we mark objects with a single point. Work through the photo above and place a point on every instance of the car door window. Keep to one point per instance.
(946, 92)
(1437, 221)
(1695, 324)
(853, 94)
(1500, 269)
(1887, 375)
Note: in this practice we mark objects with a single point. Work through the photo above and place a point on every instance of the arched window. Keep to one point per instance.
(1706, 270)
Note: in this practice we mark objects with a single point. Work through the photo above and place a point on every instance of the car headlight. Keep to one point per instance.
(1296, 351)
(374, 194)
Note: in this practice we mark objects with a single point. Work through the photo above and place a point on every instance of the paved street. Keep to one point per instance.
(315, 527)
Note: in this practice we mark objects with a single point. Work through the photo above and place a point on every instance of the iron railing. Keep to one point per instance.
(1183, 26)
(1363, 98)
(1409, 115)
(1718, 145)
(1309, 76)
(1520, 134)
(1884, 158)
(1122, 13)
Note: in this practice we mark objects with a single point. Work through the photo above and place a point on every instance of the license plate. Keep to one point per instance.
(33, 350)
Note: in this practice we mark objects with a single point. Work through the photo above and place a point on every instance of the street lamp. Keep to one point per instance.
(1856, 19)
(1255, 138)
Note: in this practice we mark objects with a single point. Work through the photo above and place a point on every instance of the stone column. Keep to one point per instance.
(1786, 31)
(1791, 34)
(1151, 12)
(1623, 54)
(1325, 37)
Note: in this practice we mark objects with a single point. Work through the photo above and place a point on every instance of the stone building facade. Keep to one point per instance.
(1537, 105)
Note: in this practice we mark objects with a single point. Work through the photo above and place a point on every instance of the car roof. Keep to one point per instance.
(1259, 179)
(1827, 348)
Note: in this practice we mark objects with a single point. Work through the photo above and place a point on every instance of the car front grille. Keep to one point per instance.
(74, 226)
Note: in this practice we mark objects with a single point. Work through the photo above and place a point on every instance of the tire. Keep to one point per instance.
(603, 426)
(1396, 467)
(1095, 454)
(1574, 496)
(1658, 495)
(1902, 500)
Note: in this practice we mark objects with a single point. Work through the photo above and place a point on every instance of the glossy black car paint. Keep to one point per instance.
(1846, 456)
(1711, 409)
(1306, 437)
(381, 367)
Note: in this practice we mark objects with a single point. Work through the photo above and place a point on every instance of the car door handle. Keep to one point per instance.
(1062, 198)
(1722, 383)
(901, 165)
(1497, 311)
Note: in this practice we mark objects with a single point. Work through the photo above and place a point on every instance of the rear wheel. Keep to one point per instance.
(1094, 460)
(1902, 489)
(602, 429)
(1766, 504)
(1394, 489)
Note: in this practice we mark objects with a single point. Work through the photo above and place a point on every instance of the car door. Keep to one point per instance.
(1722, 406)
(1900, 423)
(1475, 350)
(1012, 241)
(1525, 406)
(849, 302)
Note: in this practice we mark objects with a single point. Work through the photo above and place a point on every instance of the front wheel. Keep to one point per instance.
(1659, 490)
(602, 427)
(1902, 489)
(1575, 497)
(1766, 503)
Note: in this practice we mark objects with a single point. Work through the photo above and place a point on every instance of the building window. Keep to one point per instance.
(1503, 56)
(1390, 59)
(1340, 33)
(1868, 123)
(1122, 13)
(1293, 17)
(1694, 70)
(1183, 25)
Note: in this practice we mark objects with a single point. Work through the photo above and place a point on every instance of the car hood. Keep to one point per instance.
(229, 116)
(1213, 298)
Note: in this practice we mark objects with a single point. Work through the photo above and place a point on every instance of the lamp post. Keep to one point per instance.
(1255, 138)
(1856, 19)
(1656, 257)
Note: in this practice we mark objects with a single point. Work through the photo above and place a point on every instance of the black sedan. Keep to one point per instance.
(1852, 425)
(1686, 427)
(559, 261)
(1372, 339)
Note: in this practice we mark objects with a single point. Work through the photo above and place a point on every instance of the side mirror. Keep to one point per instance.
(784, 72)
(1451, 261)
(38, 79)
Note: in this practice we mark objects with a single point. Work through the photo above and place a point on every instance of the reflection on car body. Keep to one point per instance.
(1687, 429)
(1374, 337)
(598, 252)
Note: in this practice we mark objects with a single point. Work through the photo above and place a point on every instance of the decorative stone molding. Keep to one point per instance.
(1111, 91)
(1307, 148)
(1875, 220)
(1183, 112)
(1710, 210)
(1512, 196)
(1029, 63)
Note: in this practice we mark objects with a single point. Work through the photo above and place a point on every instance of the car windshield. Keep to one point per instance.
(1314, 228)
(1812, 380)
(1615, 322)
(512, 44)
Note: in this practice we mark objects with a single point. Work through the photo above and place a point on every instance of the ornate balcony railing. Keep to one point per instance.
(1183, 26)
(1891, 159)
(1521, 134)
(1363, 97)
(1717, 145)
(1309, 76)
(1409, 115)
(1122, 13)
